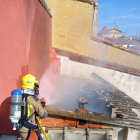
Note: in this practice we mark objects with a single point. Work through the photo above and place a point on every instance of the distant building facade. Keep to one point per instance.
(127, 42)
(114, 32)
(115, 36)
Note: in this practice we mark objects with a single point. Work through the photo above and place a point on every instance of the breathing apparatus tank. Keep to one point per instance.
(16, 103)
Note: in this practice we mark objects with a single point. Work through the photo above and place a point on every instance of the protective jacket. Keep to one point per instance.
(28, 117)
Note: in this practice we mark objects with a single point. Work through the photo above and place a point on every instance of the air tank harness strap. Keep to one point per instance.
(25, 120)
(34, 128)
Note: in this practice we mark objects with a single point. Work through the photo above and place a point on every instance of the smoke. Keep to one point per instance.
(64, 95)
(46, 88)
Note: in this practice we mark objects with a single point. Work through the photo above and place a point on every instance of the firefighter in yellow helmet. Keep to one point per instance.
(28, 128)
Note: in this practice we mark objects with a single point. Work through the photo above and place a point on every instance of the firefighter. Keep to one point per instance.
(28, 128)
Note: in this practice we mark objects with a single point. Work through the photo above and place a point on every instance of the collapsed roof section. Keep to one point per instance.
(114, 98)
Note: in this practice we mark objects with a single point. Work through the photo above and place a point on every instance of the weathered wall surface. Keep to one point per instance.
(25, 44)
(133, 134)
(117, 133)
(72, 24)
(53, 121)
(38, 36)
(74, 131)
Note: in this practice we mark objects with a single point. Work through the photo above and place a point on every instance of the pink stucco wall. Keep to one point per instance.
(25, 46)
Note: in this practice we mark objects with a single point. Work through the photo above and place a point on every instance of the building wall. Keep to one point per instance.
(76, 131)
(55, 129)
(25, 44)
(53, 121)
(133, 134)
(117, 133)
(71, 24)
(107, 54)
(76, 135)
(113, 34)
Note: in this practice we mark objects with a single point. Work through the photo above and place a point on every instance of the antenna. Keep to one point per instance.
(124, 33)
(127, 31)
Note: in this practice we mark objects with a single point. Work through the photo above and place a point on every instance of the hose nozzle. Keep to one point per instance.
(43, 103)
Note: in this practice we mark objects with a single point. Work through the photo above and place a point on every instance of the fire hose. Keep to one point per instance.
(42, 128)
(43, 104)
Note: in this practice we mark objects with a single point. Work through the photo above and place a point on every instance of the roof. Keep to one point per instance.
(136, 47)
(107, 92)
(123, 41)
(103, 31)
(88, 1)
(44, 4)
(95, 118)
(114, 27)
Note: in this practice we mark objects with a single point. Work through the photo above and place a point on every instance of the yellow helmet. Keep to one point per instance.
(30, 82)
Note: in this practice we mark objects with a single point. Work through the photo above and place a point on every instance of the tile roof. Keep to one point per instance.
(136, 47)
(123, 41)
(44, 4)
(103, 31)
(93, 117)
(113, 97)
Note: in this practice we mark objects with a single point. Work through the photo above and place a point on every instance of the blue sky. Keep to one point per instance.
(125, 13)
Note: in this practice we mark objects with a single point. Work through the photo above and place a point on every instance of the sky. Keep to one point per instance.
(125, 13)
